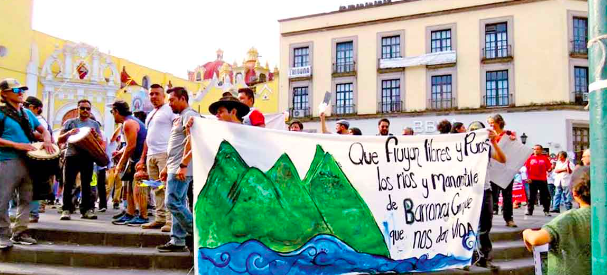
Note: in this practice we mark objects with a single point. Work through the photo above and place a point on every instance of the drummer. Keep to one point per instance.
(16, 124)
(79, 161)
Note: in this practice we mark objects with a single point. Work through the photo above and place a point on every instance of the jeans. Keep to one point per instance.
(485, 224)
(527, 193)
(551, 189)
(506, 202)
(14, 176)
(101, 187)
(35, 209)
(563, 193)
(176, 202)
(542, 186)
(74, 165)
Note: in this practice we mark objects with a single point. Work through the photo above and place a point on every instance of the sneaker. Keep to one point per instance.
(119, 215)
(89, 215)
(547, 214)
(555, 211)
(42, 208)
(102, 210)
(511, 224)
(153, 225)
(34, 219)
(170, 247)
(23, 238)
(123, 220)
(137, 221)
(487, 264)
(5, 243)
(116, 206)
(167, 227)
(65, 215)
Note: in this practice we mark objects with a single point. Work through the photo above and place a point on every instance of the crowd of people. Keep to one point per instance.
(149, 167)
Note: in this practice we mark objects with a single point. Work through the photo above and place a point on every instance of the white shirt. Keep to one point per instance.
(44, 124)
(159, 129)
(562, 178)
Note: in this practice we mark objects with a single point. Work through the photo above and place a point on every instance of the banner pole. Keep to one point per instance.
(597, 56)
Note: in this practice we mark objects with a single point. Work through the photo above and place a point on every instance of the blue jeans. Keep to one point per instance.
(176, 202)
(551, 190)
(35, 209)
(563, 194)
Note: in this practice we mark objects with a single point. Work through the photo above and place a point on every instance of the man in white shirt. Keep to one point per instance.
(562, 177)
(158, 124)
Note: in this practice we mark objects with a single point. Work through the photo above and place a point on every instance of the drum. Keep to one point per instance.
(42, 167)
(86, 140)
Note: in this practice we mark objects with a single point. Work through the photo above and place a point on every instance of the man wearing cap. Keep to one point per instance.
(79, 161)
(341, 126)
(134, 132)
(178, 172)
(16, 125)
(254, 117)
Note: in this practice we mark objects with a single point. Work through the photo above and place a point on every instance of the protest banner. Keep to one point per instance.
(517, 154)
(278, 202)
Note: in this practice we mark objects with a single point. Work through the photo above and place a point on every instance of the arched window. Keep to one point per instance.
(198, 76)
(145, 82)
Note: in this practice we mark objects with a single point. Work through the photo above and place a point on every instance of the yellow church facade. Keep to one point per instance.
(61, 72)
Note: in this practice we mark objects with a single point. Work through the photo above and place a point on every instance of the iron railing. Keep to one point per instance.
(497, 52)
(578, 47)
(390, 107)
(347, 67)
(344, 109)
(442, 103)
(580, 98)
(497, 101)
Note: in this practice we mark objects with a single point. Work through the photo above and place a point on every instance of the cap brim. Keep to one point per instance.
(241, 108)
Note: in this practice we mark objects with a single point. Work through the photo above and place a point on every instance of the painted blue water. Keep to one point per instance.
(321, 255)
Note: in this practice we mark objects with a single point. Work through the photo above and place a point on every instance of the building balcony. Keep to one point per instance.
(300, 112)
(501, 54)
(580, 98)
(300, 72)
(578, 49)
(442, 104)
(344, 69)
(389, 107)
(497, 101)
(344, 109)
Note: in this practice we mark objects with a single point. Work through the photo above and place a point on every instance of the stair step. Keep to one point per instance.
(107, 238)
(510, 250)
(31, 269)
(72, 255)
(524, 266)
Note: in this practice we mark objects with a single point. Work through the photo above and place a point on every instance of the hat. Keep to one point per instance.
(344, 122)
(475, 125)
(32, 100)
(11, 83)
(122, 107)
(229, 102)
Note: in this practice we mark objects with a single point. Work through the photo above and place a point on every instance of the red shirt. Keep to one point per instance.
(257, 118)
(537, 167)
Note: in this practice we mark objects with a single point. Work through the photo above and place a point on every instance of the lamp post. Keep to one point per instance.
(524, 138)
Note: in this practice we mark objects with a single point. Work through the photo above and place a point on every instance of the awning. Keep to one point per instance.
(426, 59)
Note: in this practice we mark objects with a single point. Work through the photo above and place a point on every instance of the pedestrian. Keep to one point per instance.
(537, 166)
(154, 156)
(550, 180)
(15, 138)
(134, 132)
(341, 126)
(568, 235)
(458, 127)
(485, 256)
(408, 131)
(383, 127)
(79, 161)
(254, 117)
(562, 171)
(355, 131)
(296, 126)
(586, 157)
(444, 126)
(177, 174)
(497, 123)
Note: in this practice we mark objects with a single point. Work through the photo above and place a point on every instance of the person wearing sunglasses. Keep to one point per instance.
(79, 161)
(17, 125)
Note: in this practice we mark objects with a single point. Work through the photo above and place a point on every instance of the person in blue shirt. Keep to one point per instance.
(17, 125)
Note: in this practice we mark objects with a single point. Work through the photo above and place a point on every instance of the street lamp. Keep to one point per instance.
(524, 138)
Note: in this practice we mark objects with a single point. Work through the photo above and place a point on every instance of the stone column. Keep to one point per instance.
(108, 119)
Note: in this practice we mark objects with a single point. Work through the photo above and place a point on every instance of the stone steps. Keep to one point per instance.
(35, 269)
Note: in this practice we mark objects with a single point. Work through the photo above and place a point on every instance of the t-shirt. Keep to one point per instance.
(563, 178)
(254, 118)
(570, 246)
(537, 167)
(44, 124)
(177, 141)
(14, 132)
(77, 123)
(159, 123)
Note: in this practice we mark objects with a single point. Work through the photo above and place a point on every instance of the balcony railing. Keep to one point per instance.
(497, 101)
(580, 98)
(442, 104)
(390, 107)
(578, 48)
(344, 109)
(339, 68)
(299, 112)
(497, 52)
(305, 71)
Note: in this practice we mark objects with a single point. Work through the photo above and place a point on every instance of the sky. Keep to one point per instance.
(177, 35)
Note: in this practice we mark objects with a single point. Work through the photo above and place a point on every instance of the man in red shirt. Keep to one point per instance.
(254, 117)
(537, 166)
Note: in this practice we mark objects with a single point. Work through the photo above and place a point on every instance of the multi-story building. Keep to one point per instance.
(421, 61)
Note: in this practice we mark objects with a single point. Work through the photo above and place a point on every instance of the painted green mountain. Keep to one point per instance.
(239, 203)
